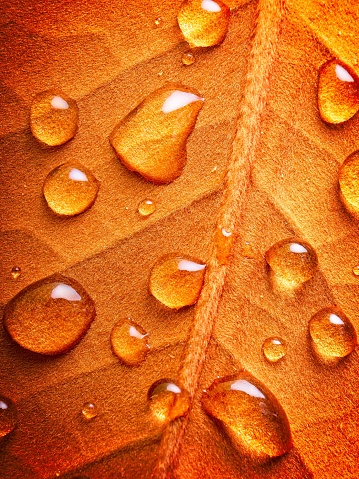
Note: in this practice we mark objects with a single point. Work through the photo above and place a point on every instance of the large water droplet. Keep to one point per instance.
(151, 140)
(70, 190)
(8, 416)
(129, 342)
(146, 207)
(224, 239)
(16, 272)
(167, 400)
(349, 183)
(338, 92)
(89, 411)
(176, 281)
(250, 414)
(204, 23)
(49, 316)
(333, 335)
(53, 118)
(274, 349)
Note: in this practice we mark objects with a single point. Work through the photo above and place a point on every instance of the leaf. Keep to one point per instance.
(109, 58)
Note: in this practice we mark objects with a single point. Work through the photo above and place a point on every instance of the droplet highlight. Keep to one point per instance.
(16, 272)
(274, 349)
(8, 416)
(224, 239)
(168, 401)
(49, 316)
(349, 184)
(129, 341)
(89, 411)
(250, 414)
(188, 58)
(146, 207)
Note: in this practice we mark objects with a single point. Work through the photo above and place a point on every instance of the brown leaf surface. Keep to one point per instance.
(108, 57)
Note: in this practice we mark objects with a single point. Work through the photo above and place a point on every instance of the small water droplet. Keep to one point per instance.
(223, 240)
(89, 411)
(129, 342)
(349, 183)
(203, 23)
(338, 92)
(167, 400)
(53, 118)
(250, 414)
(333, 335)
(16, 272)
(176, 281)
(274, 349)
(151, 140)
(146, 207)
(356, 270)
(160, 73)
(247, 251)
(188, 58)
(49, 316)
(8, 416)
(158, 21)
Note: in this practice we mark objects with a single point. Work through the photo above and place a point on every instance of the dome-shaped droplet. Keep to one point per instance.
(250, 414)
(188, 58)
(129, 342)
(338, 92)
(292, 261)
(146, 207)
(16, 272)
(151, 140)
(204, 23)
(167, 400)
(333, 335)
(274, 349)
(70, 189)
(224, 239)
(49, 316)
(54, 118)
(349, 183)
(176, 280)
(89, 411)
(8, 416)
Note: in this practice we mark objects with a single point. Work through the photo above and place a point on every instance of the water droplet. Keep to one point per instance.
(338, 92)
(53, 118)
(274, 349)
(151, 140)
(176, 281)
(204, 23)
(333, 335)
(70, 190)
(89, 411)
(167, 400)
(160, 73)
(188, 58)
(129, 342)
(158, 21)
(16, 272)
(247, 251)
(349, 183)
(49, 316)
(146, 207)
(223, 241)
(356, 270)
(250, 414)
(292, 261)
(8, 416)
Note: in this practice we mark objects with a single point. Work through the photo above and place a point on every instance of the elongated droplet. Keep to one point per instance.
(338, 92)
(151, 140)
(250, 414)
(8, 416)
(167, 400)
(54, 118)
(176, 281)
(274, 349)
(70, 190)
(146, 207)
(16, 272)
(349, 183)
(188, 58)
(292, 261)
(333, 335)
(204, 23)
(89, 411)
(49, 316)
(224, 239)
(129, 342)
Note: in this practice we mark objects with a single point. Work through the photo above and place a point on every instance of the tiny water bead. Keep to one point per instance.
(158, 21)
(151, 139)
(204, 23)
(8, 416)
(176, 280)
(349, 183)
(274, 349)
(167, 400)
(224, 239)
(188, 58)
(250, 414)
(333, 335)
(54, 118)
(356, 270)
(247, 251)
(89, 411)
(49, 316)
(16, 272)
(146, 207)
(70, 189)
(338, 92)
(129, 341)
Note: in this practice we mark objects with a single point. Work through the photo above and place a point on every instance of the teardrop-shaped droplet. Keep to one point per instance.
(16, 272)
(204, 23)
(151, 140)
(250, 414)
(176, 281)
(188, 58)
(333, 335)
(8, 416)
(274, 349)
(54, 118)
(292, 261)
(49, 316)
(338, 92)
(224, 239)
(129, 342)
(70, 189)
(89, 411)
(349, 183)
(146, 207)
(167, 400)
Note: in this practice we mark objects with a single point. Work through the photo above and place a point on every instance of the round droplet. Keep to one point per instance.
(176, 281)
(146, 207)
(338, 92)
(49, 316)
(224, 239)
(292, 261)
(54, 118)
(250, 414)
(158, 21)
(274, 349)
(70, 189)
(129, 342)
(89, 411)
(349, 183)
(333, 335)
(167, 400)
(356, 270)
(8, 416)
(15, 272)
(188, 58)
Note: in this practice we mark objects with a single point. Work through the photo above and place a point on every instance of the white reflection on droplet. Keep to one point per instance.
(343, 74)
(186, 265)
(226, 233)
(3, 405)
(210, 6)
(297, 248)
(173, 388)
(247, 387)
(276, 341)
(59, 103)
(178, 99)
(136, 334)
(77, 175)
(334, 319)
(64, 291)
